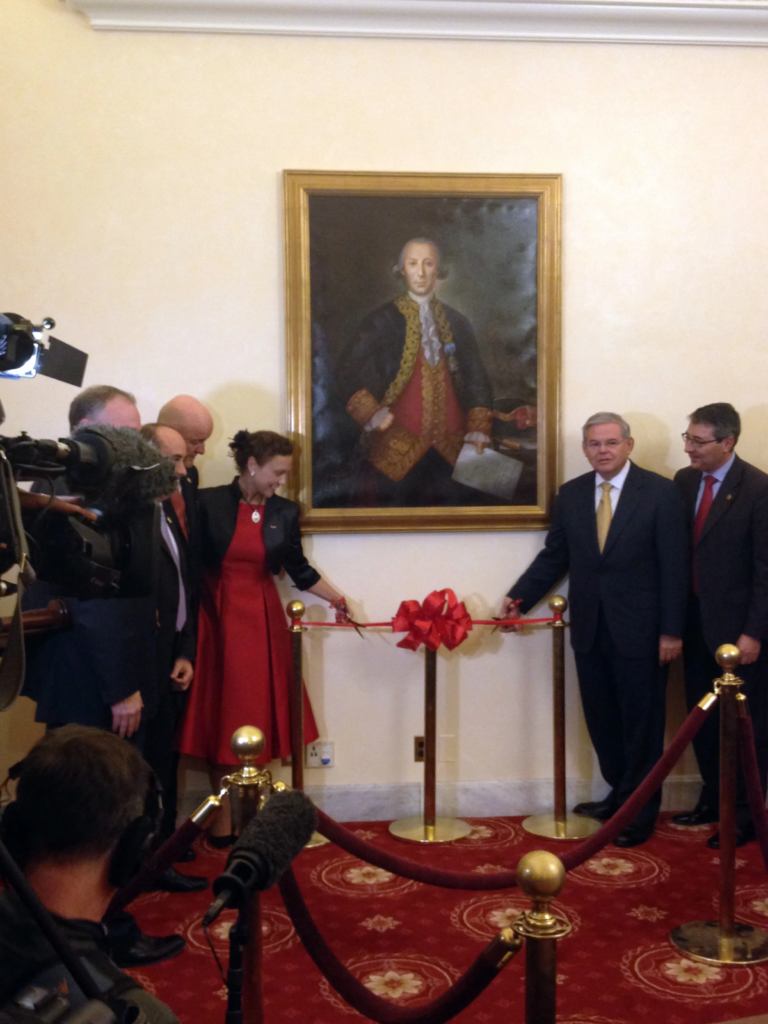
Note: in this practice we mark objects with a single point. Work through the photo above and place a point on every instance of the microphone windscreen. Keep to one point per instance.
(278, 833)
(139, 476)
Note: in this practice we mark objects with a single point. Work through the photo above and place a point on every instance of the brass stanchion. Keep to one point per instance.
(559, 825)
(541, 877)
(428, 828)
(296, 611)
(725, 941)
(249, 789)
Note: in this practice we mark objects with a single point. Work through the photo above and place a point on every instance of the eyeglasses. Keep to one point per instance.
(698, 442)
(595, 446)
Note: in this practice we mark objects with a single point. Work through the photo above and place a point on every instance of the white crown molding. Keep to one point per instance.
(687, 22)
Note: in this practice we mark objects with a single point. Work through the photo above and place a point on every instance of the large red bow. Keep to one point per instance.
(441, 619)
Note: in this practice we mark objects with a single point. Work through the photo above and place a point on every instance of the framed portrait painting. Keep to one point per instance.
(423, 337)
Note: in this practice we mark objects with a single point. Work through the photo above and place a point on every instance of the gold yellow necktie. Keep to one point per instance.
(604, 515)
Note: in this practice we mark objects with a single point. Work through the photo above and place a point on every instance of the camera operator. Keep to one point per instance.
(84, 815)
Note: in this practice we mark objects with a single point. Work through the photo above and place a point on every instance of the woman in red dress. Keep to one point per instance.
(244, 662)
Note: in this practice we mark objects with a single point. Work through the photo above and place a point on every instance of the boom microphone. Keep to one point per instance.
(116, 469)
(269, 843)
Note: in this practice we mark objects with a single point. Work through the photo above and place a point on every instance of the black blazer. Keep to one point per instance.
(732, 553)
(641, 577)
(218, 507)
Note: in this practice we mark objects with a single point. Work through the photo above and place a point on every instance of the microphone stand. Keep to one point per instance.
(248, 789)
(238, 937)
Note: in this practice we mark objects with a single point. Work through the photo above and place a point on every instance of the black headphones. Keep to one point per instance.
(135, 843)
(132, 847)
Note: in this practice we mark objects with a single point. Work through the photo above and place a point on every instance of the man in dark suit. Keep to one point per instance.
(191, 419)
(175, 643)
(726, 501)
(620, 532)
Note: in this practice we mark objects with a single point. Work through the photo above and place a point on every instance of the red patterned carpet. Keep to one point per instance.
(408, 941)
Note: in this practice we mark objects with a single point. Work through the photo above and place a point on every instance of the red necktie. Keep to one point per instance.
(701, 515)
(179, 507)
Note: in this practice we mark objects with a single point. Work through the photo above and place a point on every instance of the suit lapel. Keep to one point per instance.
(585, 510)
(726, 495)
(627, 503)
(689, 488)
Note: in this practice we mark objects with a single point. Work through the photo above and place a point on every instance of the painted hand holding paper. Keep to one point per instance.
(489, 471)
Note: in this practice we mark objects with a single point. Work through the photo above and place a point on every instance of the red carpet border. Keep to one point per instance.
(408, 942)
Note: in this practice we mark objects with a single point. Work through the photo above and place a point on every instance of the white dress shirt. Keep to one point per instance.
(616, 485)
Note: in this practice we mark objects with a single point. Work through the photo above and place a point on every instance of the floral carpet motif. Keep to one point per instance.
(408, 942)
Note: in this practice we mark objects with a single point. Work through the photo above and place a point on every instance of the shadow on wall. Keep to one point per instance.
(234, 406)
(655, 445)
(754, 430)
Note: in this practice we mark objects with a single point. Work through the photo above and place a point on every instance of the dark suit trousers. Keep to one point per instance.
(624, 701)
(160, 748)
(701, 669)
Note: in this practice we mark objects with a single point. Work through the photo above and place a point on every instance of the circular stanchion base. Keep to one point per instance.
(573, 827)
(701, 940)
(316, 840)
(445, 830)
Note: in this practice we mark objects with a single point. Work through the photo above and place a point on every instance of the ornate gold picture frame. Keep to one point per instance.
(423, 345)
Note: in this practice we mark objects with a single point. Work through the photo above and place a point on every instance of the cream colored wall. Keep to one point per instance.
(140, 177)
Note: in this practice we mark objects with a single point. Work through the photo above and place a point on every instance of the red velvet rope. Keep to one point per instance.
(507, 879)
(452, 1001)
(754, 789)
(388, 624)
(407, 868)
(181, 840)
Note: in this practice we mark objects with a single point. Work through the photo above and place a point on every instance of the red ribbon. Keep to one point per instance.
(442, 619)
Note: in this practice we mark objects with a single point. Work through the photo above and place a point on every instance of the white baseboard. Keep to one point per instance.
(465, 799)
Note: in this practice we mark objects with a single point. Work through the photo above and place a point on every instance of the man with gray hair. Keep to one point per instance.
(413, 381)
(620, 532)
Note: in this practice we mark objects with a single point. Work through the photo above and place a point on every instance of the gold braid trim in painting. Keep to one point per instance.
(480, 421)
(443, 327)
(362, 406)
(410, 311)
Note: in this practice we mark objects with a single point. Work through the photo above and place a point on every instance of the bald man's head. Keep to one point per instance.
(192, 420)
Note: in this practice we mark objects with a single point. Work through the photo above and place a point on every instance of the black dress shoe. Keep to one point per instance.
(633, 835)
(702, 814)
(221, 842)
(149, 949)
(187, 856)
(172, 880)
(744, 834)
(602, 810)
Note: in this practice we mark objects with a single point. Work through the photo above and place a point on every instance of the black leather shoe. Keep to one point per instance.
(149, 949)
(172, 880)
(633, 835)
(702, 814)
(220, 842)
(602, 810)
(744, 834)
(187, 856)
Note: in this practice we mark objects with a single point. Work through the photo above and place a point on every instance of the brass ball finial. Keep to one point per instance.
(558, 604)
(728, 657)
(247, 743)
(540, 873)
(295, 609)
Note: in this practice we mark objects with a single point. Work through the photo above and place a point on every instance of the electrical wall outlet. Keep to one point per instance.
(319, 754)
(418, 748)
